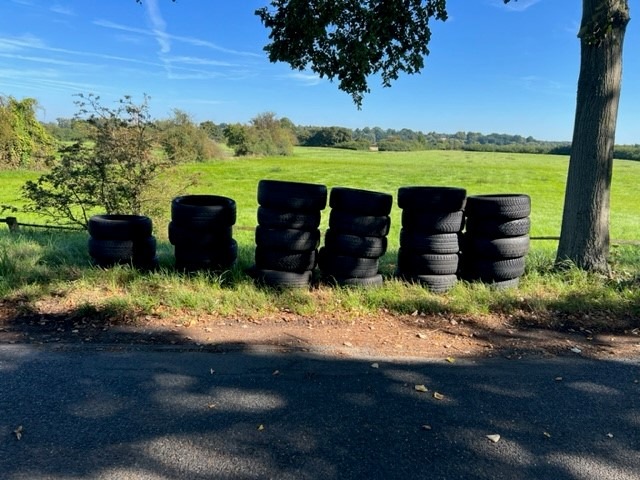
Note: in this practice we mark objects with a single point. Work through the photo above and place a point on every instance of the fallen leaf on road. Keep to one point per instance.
(18, 432)
(260, 427)
(211, 405)
(546, 434)
(375, 365)
(451, 360)
(576, 350)
(438, 396)
(348, 344)
(421, 335)
(426, 427)
(495, 438)
(421, 388)
(610, 435)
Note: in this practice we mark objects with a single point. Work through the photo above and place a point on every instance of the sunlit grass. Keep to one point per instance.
(54, 266)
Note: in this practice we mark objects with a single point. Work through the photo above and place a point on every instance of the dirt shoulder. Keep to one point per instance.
(418, 336)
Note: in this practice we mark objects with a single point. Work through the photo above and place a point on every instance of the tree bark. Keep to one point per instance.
(584, 237)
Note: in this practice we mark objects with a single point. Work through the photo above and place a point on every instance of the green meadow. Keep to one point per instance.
(36, 265)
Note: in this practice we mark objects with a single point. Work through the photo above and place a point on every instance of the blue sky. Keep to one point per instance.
(493, 68)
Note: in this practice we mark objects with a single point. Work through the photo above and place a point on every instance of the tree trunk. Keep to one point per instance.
(584, 238)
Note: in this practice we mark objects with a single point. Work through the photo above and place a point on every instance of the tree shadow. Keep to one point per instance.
(249, 412)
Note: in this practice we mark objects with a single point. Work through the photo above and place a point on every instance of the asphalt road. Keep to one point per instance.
(100, 413)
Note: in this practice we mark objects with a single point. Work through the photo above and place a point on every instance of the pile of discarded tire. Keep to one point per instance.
(432, 222)
(287, 235)
(201, 231)
(496, 239)
(357, 237)
(122, 240)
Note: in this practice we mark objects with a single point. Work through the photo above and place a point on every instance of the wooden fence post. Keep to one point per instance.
(12, 222)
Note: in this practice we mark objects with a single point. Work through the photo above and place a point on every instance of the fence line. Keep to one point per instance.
(13, 224)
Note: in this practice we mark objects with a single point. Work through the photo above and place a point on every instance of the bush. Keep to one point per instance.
(24, 142)
(114, 173)
(184, 141)
(266, 135)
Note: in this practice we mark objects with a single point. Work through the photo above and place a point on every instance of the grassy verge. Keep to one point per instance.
(42, 270)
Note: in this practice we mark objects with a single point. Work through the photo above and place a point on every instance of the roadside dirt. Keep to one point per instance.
(416, 335)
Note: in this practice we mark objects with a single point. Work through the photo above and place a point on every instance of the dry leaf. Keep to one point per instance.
(546, 434)
(421, 335)
(18, 432)
(211, 405)
(426, 427)
(451, 360)
(421, 388)
(610, 435)
(375, 365)
(495, 438)
(348, 344)
(438, 396)
(260, 427)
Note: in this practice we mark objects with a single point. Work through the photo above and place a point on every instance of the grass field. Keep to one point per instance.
(45, 265)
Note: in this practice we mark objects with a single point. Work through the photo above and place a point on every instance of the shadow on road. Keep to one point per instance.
(158, 413)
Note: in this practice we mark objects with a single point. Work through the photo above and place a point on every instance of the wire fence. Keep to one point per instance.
(14, 226)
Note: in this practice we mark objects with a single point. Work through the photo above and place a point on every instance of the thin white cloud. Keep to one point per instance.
(158, 26)
(46, 60)
(176, 38)
(515, 5)
(307, 79)
(62, 10)
(200, 61)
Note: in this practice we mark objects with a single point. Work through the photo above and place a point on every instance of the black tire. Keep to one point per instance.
(505, 206)
(112, 252)
(504, 284)
(280, 279)
(287, 239)
(345, 266)
(221, 258)
(366, 282)
(203, 211)
(183, 235)
(271, 218)
(354, 245)
(432, 199)
(435, 283)
(430, 222)
(497, 228)
(496, 248)
(284, 260)
(352, 224)
(360, 202)
(493, 270)
(292, 196)
(442, 243)
(119, 227)
(427, 263)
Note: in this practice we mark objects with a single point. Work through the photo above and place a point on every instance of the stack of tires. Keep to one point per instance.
(287, 235)
(201, 231)
(357, 237)
(496, 238)
(432, 222)
(122, 240)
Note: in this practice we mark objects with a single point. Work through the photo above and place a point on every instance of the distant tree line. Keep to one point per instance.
(27, 143)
